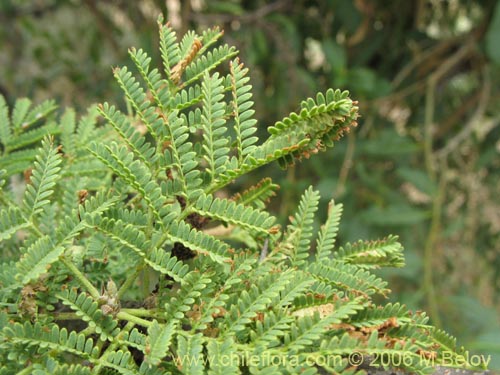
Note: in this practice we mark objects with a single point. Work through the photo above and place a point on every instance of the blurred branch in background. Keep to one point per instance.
(475, 121)
(242, 16)
(424, 161)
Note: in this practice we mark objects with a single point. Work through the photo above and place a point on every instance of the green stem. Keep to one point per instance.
(100, 344)
(123, 315)
(429, 119)
(429, 254)
(58, 316)
(346, 165)
(288, 193)
(81, 278)
(128, 282)
(142, 312)
(115, 343)
(65, 316)
(26, 371)
(437, 202)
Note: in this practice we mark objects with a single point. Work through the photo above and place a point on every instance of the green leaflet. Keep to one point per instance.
(190, 354)
(309, 329)
(42, 180)
(180, 159)
(257, 195)
(53, 338)
(133, 339)
(25, 127)
(198, 241)
(272, 329)
(190, 291)
(145, 112)
(213, 125)
(327, 236)
(299, 231)
(256, 300)
(387, 252)
(159, 339)
(52, 367)
(209, 61)
(218, 351)
(47, 250)
(244, 124)
(167, 264)
(128, 133)
(89, 311)
(234, 213)
(127, 228)
(5, 130)
(346, 277)
(169, 48)
(134, 172)
(154, 82)
(378, 315)
(119, 361)
(11, 221)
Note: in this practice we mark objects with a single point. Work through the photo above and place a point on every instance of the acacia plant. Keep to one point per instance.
(121, 252)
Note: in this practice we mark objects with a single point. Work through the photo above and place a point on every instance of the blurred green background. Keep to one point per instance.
(423, 163)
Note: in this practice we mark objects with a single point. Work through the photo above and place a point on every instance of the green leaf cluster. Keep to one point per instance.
(123, 255)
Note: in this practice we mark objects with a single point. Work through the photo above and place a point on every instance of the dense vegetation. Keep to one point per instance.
(422, 162)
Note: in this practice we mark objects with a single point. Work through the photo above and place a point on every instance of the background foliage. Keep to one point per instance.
(423, 162)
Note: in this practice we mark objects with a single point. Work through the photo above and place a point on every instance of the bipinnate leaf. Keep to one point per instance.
(158, 342)
(43, 179)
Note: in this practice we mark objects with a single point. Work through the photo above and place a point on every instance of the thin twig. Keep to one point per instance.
(346, 165)
(453, 60)
(81, 278)
(429, 250)
(102, 24)
(220, 230)
(424, 56)
(263, 253)
(466, 131)
(430, 102)
(428, 123)
(430, 157)
(247, 17)
(458, 113)
(418, 85)
(122, 315)
(398, 95)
